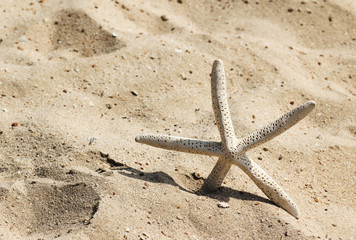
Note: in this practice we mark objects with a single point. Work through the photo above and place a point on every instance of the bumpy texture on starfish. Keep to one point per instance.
(232, 150)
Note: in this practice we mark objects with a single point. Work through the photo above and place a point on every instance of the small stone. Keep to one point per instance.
(134, 93)
(127, 229)
(144, 236)
(196, 175)
(183, 76)
(164, 18)
(23, 39)
(223, 205)
(108, 173)
(91, 140)
(114, 35)
(15, 124)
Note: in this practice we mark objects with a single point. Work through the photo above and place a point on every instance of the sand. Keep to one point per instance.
(80, 79)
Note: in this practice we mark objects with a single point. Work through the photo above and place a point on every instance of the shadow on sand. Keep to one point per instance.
(222, 194)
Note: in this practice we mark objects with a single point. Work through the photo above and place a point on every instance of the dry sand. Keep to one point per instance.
(65, 78)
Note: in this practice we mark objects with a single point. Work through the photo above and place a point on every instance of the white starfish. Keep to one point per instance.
(232, 150)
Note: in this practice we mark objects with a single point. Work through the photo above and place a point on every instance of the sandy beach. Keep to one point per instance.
(81, 79)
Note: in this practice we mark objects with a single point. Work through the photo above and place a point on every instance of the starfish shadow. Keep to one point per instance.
(153, 177)
(225, 193)
(222, 194)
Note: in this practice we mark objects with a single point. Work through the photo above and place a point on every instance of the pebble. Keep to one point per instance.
(164, 18)
(144, 236)
(196, 175)
(114, 35)
(223, 205)
(127, 229)
(91, 140)
(23, 39)
(108, 173)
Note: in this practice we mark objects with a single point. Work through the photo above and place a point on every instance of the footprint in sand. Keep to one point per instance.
(39, 191)
(77, 31)
(56, 207)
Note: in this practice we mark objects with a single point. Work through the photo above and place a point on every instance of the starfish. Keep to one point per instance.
(231, 150)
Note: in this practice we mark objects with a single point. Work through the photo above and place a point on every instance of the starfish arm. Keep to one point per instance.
(268, 186)
(220, 105)
(217, 175)
(182, 144)
(277, 127)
